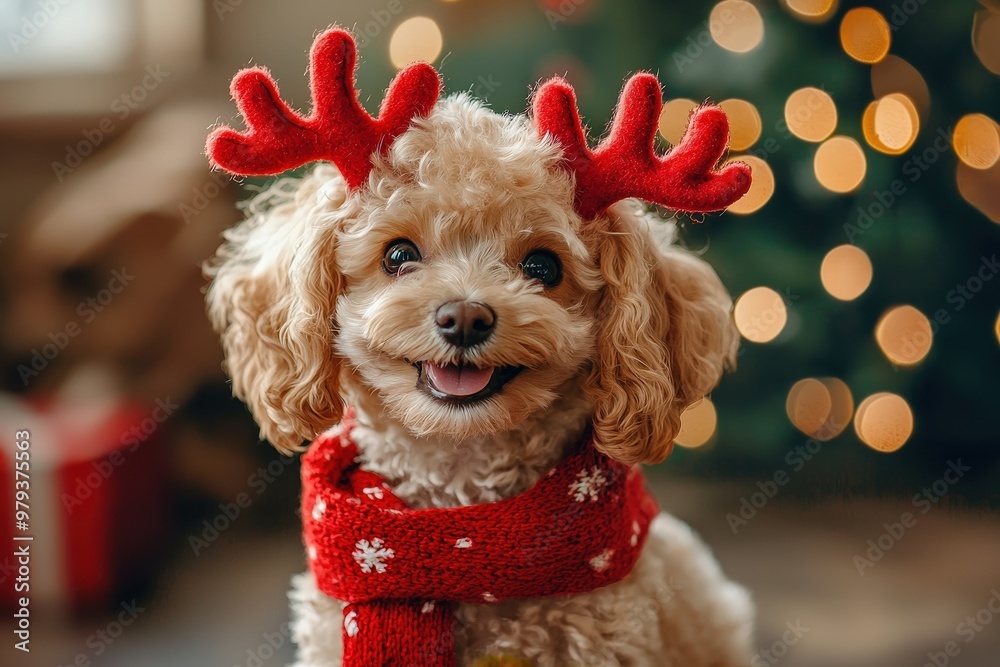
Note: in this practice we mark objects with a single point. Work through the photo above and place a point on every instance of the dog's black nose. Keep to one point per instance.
(465, 323)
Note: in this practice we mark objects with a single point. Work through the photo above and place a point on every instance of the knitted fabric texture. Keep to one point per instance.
(402, 571)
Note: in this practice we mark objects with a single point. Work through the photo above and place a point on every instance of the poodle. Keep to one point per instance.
(478, 326)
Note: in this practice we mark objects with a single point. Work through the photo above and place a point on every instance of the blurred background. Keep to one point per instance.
(848, 473)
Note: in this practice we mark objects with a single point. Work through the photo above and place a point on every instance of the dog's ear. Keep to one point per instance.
(272, 300)
(664, 335)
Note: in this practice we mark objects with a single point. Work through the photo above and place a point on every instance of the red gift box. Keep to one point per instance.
(97, 498)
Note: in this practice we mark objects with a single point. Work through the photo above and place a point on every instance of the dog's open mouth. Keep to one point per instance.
(463, 383)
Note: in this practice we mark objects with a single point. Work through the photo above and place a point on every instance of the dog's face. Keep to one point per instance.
(469, 293)
(460, 289)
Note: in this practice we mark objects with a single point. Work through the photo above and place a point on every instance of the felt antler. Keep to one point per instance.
(625, 164)
(338, 129)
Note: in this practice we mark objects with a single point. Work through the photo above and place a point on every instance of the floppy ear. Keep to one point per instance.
(664, 335)
(272, 300)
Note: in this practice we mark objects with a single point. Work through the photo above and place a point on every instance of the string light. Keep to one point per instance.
(761, 186)
(840, 164)
(811, 114)
(884, 422)
(674, 119)
(417, 38)
(865, 35)
(976, 140)
(698, 424)
(904, 334)
(846, 272)
(744, 123)
(736, 25)
(813, 11)
(760, 314)
(895, 75)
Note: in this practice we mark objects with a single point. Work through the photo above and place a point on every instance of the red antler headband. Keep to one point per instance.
(625, 163)
(341, 131)
(338, 129)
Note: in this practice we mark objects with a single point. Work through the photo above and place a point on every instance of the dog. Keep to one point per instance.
(478, 326)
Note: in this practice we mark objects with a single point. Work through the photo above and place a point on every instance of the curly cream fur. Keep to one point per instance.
(636, 331)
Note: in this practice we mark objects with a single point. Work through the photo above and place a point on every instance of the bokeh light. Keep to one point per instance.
(976, 140)
(736, 25)
(897, 122)
(870, 134)
(761, 185)
(760, 314)
(698, 424)
(811, 114)
(841, 411)
(846, 272)
(904, 335)
(417, 38)
(996, 327)
(813, 11)
(986, 39)
(744, 123)
(884, 422)
(865, 35)
(981, 188)
(840, 164)
(820, 408)
(674, 119)
(895, 75)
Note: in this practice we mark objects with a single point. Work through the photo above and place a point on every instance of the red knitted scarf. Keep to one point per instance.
(402, 571)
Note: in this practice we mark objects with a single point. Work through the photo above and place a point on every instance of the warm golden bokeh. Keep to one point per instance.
(986, 39)
(846, 272)
(697, 424)
(884, 422)
(895, 75)
(760, 314)
(976, 140)
(904, 335)
(841, 411)
(865, 35)
(674, 119)
(871, 136)
(813, 11)
(744, 123)
(840, 164)
(981, 188)
(736, 25)
(417, 38)
(996, 328)
(811, 114)
(808, 405)
(896, 121)
(761, 186)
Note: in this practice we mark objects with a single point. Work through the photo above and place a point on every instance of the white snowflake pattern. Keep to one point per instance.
(428, 607)
(489, 597)
(463, 543)
(312, 552)
(371, 556)
(374, 492)
(351, 623)
(635, 533)
(588, 485)
(318, 509)
(602, 561)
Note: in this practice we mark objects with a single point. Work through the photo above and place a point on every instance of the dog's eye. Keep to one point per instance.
(399, 253)
(543, 266)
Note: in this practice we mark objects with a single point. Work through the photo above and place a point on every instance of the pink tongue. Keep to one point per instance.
(458, 380)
